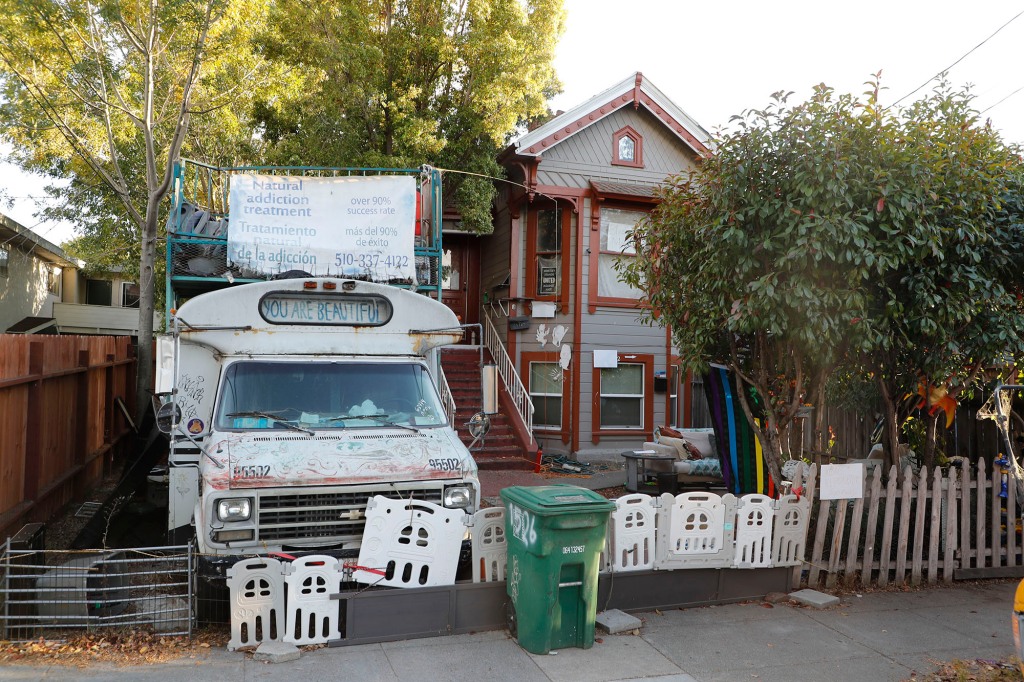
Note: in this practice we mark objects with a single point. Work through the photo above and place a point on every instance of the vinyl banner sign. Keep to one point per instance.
(341, 227)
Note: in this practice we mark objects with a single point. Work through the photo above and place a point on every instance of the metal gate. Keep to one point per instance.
(59, 593)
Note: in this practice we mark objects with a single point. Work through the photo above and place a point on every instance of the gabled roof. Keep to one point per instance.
(636, 91)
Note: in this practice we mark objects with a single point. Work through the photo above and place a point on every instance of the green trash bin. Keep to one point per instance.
(555, 535)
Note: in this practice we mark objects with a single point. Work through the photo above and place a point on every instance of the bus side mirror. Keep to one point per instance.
(489, 381)
(168, 417)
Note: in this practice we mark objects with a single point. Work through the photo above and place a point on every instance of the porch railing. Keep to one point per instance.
(509, 376)
(446, 395)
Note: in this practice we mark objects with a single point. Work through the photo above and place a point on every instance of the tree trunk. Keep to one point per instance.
(147, 290)
(931, 423)
(891, 438)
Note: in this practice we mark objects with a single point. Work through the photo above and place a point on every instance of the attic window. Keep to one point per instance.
(627, 148)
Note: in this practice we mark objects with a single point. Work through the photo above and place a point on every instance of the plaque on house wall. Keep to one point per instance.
(548, 285)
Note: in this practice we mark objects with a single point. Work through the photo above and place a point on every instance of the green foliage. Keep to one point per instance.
(79, 106)
(102, 94)
(837, 231)
(398, 83)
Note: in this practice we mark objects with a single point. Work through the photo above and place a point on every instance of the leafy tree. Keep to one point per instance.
(795, 247)
(104, 93)
(393, 83)
(944, 306)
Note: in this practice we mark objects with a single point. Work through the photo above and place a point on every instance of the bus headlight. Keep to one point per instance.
(234, 509)
(458, 497)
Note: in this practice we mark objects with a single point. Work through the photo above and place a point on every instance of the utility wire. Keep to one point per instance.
(1002, 100)
(958, 61)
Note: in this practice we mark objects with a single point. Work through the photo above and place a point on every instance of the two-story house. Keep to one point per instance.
(599, 379)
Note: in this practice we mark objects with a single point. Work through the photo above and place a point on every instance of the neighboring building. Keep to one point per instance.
(43, 290)
(599, 379)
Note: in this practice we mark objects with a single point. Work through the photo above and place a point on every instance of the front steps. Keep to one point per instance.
(499, 450)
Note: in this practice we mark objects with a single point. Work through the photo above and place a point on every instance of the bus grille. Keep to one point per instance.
(304, 516)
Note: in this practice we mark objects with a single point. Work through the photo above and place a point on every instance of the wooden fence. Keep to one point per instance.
(60, 426)
(968, 436)
(911, 528)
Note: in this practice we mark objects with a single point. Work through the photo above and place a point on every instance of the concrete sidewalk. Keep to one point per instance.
(876, 636)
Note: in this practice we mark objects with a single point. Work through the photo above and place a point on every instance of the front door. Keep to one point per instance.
(460, 283)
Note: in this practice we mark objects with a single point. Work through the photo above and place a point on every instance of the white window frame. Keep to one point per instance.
(641, 397)
(5, 261)
(53, 280)
(607, 254)
(124, 291)
(537, 394)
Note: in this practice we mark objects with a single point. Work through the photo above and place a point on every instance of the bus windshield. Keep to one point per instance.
(305, 396)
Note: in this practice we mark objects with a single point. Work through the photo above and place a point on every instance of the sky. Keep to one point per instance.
(715, 60)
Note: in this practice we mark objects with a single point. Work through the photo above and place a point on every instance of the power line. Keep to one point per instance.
(1002, 100)
(957, 61)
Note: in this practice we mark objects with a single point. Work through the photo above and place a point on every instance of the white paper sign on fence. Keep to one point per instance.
(842, 481)
(344, 227)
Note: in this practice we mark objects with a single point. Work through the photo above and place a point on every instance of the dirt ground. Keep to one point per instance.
(119, 648)
(977, 670)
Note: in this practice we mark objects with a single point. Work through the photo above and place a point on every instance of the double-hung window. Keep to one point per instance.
(622, 396)
(546, 393)
(616, 226)
(548, 233)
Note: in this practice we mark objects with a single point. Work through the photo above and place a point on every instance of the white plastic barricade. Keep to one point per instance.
(256, 595)
(754, 515)
(695, 530)
(792, 515)
(409, 543)
(312, 614)
(489, 551)
(631, 543)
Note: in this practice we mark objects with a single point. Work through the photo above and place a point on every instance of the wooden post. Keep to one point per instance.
(853, 545)
(111, 415)
(965, 515)
(885, 553)
(936, 526)
(981, 507)
(918, 547)
(907, 484)
(819, 543)
(836, 549)
(811, 484)
(34, 423)
(950, 553)
(868, 563)
(997, 519)
(1011, 524)
(81, 413)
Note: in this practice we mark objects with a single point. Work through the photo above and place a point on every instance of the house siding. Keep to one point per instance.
(24, 292)
(495, 252)
(587, 155)
(573, 164)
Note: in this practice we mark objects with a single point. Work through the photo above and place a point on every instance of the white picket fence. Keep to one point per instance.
(930, 526)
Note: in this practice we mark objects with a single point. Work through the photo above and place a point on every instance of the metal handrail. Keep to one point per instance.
(446, 395)
(509, 376)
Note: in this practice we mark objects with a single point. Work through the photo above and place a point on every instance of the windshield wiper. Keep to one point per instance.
(385, 419)
(274, 417)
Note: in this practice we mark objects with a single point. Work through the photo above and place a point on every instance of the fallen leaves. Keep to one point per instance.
(119, 648)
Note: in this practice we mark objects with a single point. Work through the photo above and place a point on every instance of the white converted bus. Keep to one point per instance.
(291, 402)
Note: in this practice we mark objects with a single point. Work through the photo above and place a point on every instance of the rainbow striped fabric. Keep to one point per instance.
(744, 468)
